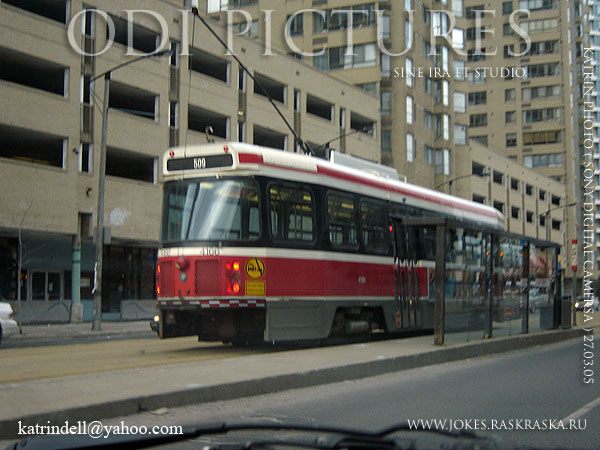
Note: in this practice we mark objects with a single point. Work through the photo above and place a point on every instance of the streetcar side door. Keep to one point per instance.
(406, 276)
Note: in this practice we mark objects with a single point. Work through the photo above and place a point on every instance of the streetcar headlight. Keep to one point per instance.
(157, 318)
(183, 277)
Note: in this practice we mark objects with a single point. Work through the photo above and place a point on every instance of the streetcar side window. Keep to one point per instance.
(374, 227)
(342, 227)
(291, 211)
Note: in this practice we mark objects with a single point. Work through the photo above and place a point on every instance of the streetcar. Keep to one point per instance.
(260, 244)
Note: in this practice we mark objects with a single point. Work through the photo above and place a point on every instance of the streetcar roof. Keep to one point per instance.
(207, 160)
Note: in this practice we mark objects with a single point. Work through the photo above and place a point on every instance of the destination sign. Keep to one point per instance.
(200, 162)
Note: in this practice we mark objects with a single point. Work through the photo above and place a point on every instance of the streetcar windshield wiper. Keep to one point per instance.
(260, 435)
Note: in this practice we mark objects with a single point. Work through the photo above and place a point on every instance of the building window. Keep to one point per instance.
(528, 189)
(539, 26)
(471, 12)
(407, 34)
(30, 146)
(386, 141)
(410, 147)
(478, 199)
(536, 5)
(542, 115)
(268, 87)
(478, 120)
(85, 157)
(541, 48)
(319, 107)
(296, 25)
(542, 137)
(446, 127)
(542, 220)
(409, 110)
(529, 216)
(542, 70)
(540, 92)
(428, 154)
(242, 29)
(515, 212)
(499, 206)
(439, 161)
(483, 140)
(477, 77)
(386, 102)
(477, 54)
(544, 160)
(460, 134)
(409, 72)
(511, 139)
(460, 102)
(510, 117)
(507, 8)
(507, 30)
(509, 95)
(458, 67)
(446, 161)
(57, 10)
(498, 177)
(477, 98)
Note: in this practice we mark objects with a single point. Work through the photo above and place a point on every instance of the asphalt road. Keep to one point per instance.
(543, 383)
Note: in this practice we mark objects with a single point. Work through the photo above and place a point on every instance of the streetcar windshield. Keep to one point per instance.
(211, 210)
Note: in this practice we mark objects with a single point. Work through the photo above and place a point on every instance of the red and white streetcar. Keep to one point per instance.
(260, 244)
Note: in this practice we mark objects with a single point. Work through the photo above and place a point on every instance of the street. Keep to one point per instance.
(539, 383)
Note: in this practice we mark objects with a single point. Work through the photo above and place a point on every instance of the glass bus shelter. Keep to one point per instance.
(493, 284)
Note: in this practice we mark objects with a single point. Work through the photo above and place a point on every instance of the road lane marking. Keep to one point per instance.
(580, 412)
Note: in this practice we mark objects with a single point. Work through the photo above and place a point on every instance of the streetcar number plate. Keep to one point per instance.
(200, 162)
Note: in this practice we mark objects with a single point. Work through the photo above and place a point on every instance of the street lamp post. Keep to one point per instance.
(99, 233)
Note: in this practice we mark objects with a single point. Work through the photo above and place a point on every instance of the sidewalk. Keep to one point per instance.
(126, 392)
(75, 332)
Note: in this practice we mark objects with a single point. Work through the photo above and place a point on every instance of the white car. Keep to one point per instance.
(581, 303)
(8, 325)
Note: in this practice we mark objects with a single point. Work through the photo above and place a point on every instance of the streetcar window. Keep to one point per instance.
(374, 227)
(343, 230)
(212, 210)
(292, 213)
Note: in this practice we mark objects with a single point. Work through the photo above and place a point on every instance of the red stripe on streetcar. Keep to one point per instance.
(250, 158)
(380, 185)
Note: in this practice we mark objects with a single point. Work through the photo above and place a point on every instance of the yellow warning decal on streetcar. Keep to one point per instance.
(255, 268)
(256, 288)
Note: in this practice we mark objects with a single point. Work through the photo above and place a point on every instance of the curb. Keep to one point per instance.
(248, 388)
(33, 340)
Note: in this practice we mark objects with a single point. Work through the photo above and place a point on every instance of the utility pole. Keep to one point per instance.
(100, 231)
